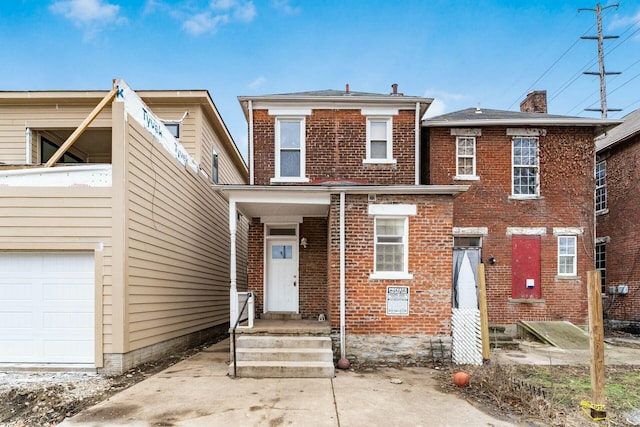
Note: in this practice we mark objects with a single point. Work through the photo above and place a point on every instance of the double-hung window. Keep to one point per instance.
(290, 149)
(526, 172)
(601, 187)
(379, 140)
(465, 157)
(601, 264)
(567, 256)
(391, 245)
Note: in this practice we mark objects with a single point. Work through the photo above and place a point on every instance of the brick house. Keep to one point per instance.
(340, 226)
(618, 218)
(529, 211)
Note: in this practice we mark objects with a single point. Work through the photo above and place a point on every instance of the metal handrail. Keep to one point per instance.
(233, 331)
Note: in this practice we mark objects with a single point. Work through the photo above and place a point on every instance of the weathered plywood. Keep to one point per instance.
(560, 334)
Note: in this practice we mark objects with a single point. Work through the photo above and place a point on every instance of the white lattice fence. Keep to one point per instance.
(466, 343)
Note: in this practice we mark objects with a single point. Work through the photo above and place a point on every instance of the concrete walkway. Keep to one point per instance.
(198, 392)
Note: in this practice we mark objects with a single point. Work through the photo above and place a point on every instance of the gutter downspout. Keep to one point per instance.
(233, 290)
(342, 277)
(417, 142)
(251, 176)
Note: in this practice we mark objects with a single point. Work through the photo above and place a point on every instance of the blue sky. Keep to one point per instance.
(459, 52)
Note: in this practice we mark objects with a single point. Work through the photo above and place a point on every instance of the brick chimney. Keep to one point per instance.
(535, 102)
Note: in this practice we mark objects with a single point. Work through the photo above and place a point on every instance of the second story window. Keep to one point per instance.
(379, 140)
(601, 187)
(214, 168)
(465, 156)
(174, 128)
(290, 149)
(526, 176)
(601, 265)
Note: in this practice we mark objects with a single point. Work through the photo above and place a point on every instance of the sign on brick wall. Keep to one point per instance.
(397, 300)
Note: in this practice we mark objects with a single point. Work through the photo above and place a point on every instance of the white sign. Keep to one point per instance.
(137, 109)
(397, 300)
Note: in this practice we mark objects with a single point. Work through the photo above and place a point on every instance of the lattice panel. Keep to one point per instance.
(466, 343)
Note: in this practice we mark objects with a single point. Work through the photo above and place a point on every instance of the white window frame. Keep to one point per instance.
(389, 158)
(302, 177)
(561, 256)
(536, 166)
(392, 275)
(459, 156)
(601, 185)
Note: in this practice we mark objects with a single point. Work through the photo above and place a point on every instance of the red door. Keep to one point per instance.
(525, 267)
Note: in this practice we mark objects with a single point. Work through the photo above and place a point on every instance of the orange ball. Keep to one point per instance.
(461, 379)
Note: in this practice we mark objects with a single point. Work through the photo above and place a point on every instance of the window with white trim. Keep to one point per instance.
(526, 172)
(465, 156)
(379, 140)
(391, 246)
(214, 168)
(567, 256)
(290, 148)
(601, 186)
(601, 265)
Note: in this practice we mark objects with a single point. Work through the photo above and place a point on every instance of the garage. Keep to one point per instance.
(47, 308)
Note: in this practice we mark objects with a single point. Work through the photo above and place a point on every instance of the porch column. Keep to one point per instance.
(233, 291)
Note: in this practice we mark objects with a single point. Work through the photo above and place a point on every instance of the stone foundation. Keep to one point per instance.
(118, 363)
(394, 349)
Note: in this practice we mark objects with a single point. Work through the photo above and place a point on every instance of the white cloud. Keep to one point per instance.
(90, 15)
(285, 6)
(624, 21)
(257, 82)
(442, 101)
(245, 12)
(204, 22)
(222, 4)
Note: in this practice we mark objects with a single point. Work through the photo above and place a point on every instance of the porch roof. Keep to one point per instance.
(313, 200)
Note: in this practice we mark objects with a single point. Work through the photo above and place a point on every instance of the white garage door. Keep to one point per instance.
(47, 308)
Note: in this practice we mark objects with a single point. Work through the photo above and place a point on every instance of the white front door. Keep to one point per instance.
(282, 275)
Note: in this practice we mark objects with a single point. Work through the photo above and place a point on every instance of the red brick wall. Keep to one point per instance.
(430, 260)
(622, 226)
(335, 143)
(566, 175)
(312, 266)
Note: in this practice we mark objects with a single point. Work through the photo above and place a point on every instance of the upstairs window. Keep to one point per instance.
(379, 140)
(601, 187)
(567, 259)
(290, 149)
(174, 128)
(48, 149)
(526, 174)
(465, 157)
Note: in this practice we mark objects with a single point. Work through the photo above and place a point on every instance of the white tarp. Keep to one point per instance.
(98, 175)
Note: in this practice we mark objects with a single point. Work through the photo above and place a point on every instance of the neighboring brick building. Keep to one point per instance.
(339, 223)
(618, 218)
(529, 211)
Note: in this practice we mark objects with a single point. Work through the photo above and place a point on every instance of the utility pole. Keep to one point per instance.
(602, 73)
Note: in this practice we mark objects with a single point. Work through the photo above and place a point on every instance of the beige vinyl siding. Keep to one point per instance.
(228, 172)
(17, 118)
(177, 244)
(64, 219)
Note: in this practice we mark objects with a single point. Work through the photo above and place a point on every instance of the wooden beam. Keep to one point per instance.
(80, 129)
(596, 344)
(484, 314)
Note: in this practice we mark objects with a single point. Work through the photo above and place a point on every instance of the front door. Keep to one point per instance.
(282, 276)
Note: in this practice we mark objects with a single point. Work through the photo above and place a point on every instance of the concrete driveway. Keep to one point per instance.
(198, 392)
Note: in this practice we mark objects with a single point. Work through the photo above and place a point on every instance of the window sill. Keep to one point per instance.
(525, 197)
(289, 179)
(391, 276)
(526, 301)
(602, 212)
(466, 178)
(559, 277)
(379, 161)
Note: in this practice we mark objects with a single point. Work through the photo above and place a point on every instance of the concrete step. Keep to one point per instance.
(275, 369)
(282, 341)
(285, 354)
